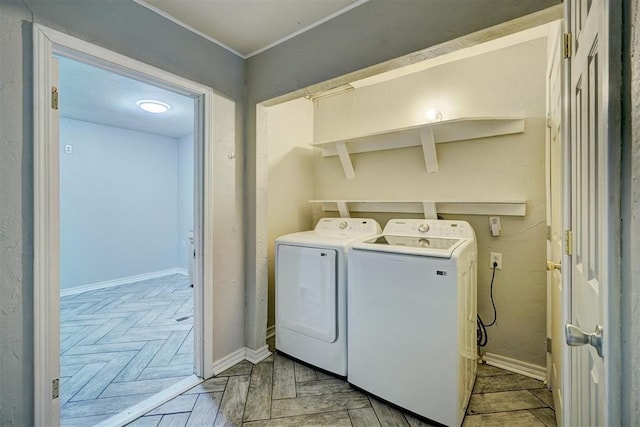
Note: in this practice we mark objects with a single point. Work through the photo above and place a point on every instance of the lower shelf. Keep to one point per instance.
(430, 209)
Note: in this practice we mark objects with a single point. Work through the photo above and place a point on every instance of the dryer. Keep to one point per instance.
(412, 317)
(311, 291)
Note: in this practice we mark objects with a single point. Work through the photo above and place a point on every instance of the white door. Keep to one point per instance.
(555, 218)
(595, 214)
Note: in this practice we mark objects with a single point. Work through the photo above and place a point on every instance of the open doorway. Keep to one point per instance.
(126, 241)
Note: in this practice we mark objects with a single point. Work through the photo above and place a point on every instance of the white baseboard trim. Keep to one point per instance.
(139, 409)
(517, 366)
(244, 353)
(228, 361)
(120, 281)
(257, 356)
(271, 331)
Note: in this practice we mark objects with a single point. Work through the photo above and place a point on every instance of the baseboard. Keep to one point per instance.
(271, 331)
(517, 366)
(136, 411)
(120, 281)
(228, 361)
(257, 356)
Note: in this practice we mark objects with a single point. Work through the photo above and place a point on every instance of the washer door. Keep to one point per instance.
(306, 287)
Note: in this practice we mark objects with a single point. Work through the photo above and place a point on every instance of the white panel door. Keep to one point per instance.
(306, 288)
(594, 206)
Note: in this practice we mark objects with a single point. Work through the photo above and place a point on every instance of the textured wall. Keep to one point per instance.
(16, 220)
(631, 217)
(129, 29)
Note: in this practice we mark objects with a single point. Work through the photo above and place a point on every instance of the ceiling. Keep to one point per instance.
(91, 94)
(248, 27)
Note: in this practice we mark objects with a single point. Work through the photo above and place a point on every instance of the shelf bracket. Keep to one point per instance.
(429, 210)
(345, 159)
(343, 209)
(429, 149)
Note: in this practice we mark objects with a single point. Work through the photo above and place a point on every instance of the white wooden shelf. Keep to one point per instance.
(429, 208)
(425, 135)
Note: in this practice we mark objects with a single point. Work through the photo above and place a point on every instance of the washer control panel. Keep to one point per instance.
(347, 227)
(429, 228)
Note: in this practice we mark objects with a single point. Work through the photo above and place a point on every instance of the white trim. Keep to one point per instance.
(228, 361)
(262, 49)
(257, 356)
(136, 411)
(517, 366)
(121, 281)
(271, 331)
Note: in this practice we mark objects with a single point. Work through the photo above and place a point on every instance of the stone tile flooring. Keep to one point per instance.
(120, 345)
(280, 392)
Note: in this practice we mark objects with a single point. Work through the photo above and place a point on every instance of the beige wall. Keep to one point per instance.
(507, 82)
(289, 132)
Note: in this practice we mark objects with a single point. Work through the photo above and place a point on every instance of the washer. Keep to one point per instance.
(412, 317)
(311, 291)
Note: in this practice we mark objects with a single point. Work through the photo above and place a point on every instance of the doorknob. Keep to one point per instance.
(576, 337)
(553, 266)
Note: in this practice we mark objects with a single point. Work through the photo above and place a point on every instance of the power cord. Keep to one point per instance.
(481, 330)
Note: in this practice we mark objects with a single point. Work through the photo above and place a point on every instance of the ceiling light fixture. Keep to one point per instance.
(153, 106)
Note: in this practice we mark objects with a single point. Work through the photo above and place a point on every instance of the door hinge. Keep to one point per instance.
(55, 388)
(568, 242)
(548, 232)
(549, 342)
(54, 98)
(549, 120)
(566, 45)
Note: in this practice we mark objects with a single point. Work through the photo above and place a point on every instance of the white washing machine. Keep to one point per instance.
(412, 317)
(311, 291)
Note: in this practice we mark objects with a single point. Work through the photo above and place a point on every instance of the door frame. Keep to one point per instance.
(46, 43)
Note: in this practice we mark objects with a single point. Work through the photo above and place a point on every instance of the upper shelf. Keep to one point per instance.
(426, 135)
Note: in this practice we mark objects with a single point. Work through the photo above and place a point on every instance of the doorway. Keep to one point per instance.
(215, 172)
(126, 227)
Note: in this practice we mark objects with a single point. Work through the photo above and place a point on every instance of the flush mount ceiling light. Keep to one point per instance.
(153, 106)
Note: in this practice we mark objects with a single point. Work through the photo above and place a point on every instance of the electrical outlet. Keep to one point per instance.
(497, 258)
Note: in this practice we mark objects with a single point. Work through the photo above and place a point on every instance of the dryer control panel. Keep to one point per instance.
(429, 228)
(347, 227)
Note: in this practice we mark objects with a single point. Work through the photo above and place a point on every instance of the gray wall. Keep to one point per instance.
(185, 196)
(377, 31)
(118, 203)
(631, 216)
(124, 27)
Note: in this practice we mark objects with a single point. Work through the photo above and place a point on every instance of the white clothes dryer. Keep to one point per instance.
(311, 291)
(412, 317)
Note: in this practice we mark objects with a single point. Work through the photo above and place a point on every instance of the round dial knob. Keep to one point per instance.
(424, 243)
(343, 225)
(423, 228)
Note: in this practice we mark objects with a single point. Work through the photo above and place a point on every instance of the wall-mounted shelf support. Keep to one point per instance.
(430, 209)
(345, 159)
(429, 149)
(425, 135)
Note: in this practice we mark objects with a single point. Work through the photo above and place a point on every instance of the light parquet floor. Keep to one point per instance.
(120, 345)
(281, 392)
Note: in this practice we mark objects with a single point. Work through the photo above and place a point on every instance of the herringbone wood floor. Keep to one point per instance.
(120, 345)
(280, 392)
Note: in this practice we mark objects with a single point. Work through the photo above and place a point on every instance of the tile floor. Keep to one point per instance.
(120, 345)
(280, 392)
